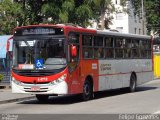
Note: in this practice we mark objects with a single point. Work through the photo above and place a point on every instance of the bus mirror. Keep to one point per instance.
(73, 51)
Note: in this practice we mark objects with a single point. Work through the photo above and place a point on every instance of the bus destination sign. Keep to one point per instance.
(38, 31)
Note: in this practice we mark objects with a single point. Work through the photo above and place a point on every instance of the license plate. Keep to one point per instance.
(35, 88)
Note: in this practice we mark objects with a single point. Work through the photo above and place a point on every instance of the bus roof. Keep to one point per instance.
(111, 33)
(75, 28)
(71, 27)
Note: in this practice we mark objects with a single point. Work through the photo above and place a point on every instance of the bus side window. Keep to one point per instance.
(87, 50)
(109, 53)
(98, 53)
(128, 47)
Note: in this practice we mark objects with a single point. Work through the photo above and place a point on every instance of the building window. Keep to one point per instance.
(139, 31)
(135, 18)
(135, 30)
(140, 20)
(119, 16)
(116, 2)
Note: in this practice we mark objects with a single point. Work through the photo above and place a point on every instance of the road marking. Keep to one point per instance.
(158, 112)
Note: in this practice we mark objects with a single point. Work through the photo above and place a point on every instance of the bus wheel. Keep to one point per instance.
(42, 98)
(87, 91)
(133, 83)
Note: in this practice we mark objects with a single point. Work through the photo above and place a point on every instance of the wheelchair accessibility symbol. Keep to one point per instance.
(39, 63)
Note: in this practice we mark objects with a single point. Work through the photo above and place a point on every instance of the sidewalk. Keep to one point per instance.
(6, 96)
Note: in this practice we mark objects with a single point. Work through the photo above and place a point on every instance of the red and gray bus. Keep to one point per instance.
(64, 60)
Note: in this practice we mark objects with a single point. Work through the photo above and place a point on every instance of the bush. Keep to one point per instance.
(1, 77)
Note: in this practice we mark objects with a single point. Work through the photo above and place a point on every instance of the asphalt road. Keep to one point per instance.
(145, 100)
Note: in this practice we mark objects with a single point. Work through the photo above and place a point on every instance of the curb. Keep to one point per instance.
(16, 100)
(5, 87)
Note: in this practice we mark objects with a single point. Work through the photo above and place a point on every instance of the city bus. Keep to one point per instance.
(55, 60)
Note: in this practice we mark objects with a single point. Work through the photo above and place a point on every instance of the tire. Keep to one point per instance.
(42, 98)
(87, 91)
(133, 83)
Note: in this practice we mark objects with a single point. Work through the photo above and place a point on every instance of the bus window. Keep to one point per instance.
(149, 52)
(135, 43)
(127, 50)
(119, 53)
(98, 53)
(87, 49)
(135, 49)
(98, 41)
(108, 42)
(98, 50)
(119, 43)
(142, 44)
(109, 53)
(87, 52)
(87, 40)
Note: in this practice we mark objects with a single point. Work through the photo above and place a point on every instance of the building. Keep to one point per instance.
(4, 56)
(126, 22)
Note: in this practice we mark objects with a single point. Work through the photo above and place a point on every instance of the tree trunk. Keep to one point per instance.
(102, 19)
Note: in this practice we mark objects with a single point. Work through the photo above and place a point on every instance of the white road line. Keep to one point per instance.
(158, 112)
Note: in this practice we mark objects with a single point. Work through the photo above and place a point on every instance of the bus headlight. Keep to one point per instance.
(15, 81)
(59, 80)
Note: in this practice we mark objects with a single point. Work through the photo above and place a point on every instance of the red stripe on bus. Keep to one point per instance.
(122, 73)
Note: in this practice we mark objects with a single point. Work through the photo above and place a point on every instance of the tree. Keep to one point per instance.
(78, 12)
(32, 11)
(68, 11)
(102, 8)
(152, 12)
(10, 16)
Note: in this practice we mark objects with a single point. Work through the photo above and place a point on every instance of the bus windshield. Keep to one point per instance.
(42, 54)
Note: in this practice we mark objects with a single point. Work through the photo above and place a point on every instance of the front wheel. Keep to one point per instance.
(87, 91)
(42, 98)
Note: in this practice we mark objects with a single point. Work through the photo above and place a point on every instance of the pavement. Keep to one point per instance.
(6, 96)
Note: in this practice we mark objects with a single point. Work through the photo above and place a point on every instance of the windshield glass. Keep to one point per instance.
(39, 54)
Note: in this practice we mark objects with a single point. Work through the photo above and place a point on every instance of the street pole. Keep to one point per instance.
(142, 16)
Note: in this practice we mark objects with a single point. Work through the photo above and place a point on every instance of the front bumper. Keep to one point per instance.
(59, 89)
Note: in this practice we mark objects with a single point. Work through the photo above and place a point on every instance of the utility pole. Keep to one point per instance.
(142, 16)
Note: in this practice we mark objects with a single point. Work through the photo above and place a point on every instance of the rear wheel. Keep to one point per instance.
(42, 98)
(87, 91)
(133, 83)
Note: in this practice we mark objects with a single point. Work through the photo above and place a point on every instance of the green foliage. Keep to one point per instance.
(1, 77)
(151, 10)
(68, 11)
(80, 12)
(10, 15)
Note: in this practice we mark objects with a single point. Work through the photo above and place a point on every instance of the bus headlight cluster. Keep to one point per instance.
(15, 81)
(59, 80)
